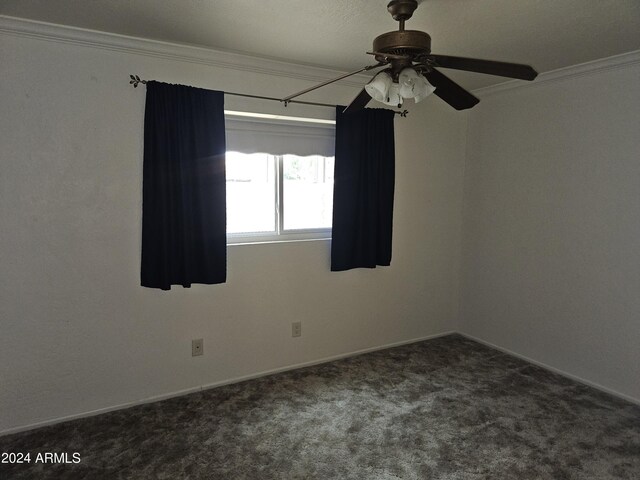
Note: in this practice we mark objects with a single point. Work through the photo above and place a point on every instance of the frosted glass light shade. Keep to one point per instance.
(379, 86)
(413, 85)
(408, 79)
(422, 89)
(394, 98)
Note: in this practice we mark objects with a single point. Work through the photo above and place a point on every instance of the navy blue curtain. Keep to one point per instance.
(363, 189)
(184, 189)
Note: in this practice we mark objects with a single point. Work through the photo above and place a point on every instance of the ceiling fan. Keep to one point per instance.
(412, 70)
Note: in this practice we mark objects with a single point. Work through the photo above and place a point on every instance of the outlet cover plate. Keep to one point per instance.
(296, 329)
(197, 347)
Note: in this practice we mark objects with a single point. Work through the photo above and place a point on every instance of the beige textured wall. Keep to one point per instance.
(551, 250)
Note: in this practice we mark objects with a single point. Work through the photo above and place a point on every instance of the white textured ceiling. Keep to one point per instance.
(547, 34)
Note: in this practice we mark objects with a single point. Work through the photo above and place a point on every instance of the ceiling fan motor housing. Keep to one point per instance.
(405, 42)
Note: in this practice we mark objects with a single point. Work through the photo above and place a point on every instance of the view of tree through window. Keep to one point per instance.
(308, 192)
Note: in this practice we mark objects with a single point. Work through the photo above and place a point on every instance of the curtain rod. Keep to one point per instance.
(135, 80)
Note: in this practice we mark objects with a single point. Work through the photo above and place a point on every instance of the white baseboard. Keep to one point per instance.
(178, 393)
(576, 378)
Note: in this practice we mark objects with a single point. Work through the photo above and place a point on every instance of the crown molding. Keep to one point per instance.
(588, 68)
(51, 32)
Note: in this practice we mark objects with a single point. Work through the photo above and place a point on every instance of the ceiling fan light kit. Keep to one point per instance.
(412, 70)
(410, 84)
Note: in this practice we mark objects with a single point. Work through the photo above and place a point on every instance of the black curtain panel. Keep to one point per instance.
(363, 189)
(184, 189)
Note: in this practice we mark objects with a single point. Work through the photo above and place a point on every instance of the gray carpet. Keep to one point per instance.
(447, 408)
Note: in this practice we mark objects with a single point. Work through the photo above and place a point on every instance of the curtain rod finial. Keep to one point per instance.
(135, 80)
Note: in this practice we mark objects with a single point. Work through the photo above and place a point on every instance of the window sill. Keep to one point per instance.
(263, 241)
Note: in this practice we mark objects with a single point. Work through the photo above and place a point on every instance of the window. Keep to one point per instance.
(278, 197)
(283, 195)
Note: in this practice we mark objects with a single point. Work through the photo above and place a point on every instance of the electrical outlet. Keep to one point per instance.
(296, 329)
(197, 347)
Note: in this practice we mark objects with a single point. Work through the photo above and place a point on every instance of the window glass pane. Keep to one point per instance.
(308, 192)
(251, 193)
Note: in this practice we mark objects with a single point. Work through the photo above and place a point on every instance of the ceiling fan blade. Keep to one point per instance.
(502, 69)
(358, 103)
(450, 91)
(315, 87)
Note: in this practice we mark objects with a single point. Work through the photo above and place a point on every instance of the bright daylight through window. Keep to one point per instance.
(278, 197)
